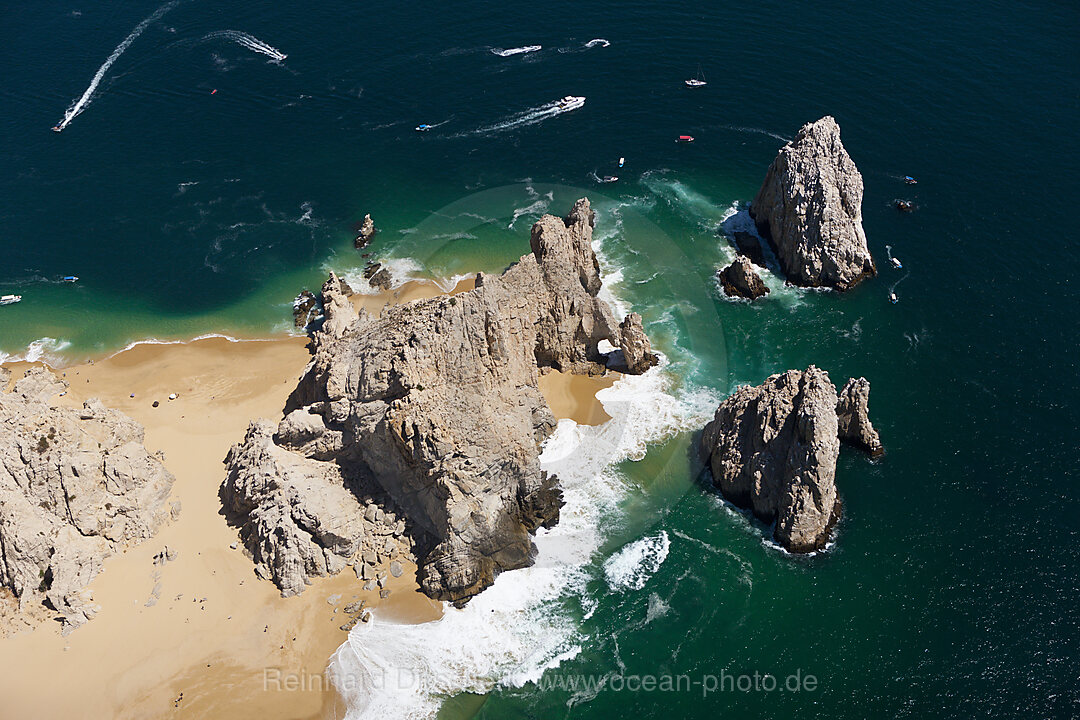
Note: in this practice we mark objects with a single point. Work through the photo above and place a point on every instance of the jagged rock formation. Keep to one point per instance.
(300, 520)
(637, 354)
(378, 276)
(810, 210)
(773, 449)
(75, 486)
(436, 403)
(852, 413)
(366, 232)
(739, 279)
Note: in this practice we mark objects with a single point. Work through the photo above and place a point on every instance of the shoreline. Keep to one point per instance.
(215, 632)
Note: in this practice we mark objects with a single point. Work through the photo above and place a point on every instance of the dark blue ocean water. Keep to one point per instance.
(951, 588)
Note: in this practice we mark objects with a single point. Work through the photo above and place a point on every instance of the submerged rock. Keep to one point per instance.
(773, 449)
(365, 233)
(810, 210)
(852, 412)
(75, 487)
(739, 279)
(436, 403)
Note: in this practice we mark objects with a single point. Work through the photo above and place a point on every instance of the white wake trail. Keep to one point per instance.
(83, 102)
(531, 116)
(516, 51)
(250, 42)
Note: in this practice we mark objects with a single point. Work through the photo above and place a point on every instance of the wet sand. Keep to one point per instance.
(217, 634)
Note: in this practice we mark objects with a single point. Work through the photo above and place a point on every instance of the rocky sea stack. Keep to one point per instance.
(435, 406)
(75, 487)
(739, 279)
(773, 449)
(810, 210)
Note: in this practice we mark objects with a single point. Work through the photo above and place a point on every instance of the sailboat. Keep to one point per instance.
(698, 81)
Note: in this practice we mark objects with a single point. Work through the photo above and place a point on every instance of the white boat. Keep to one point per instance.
(609, 179)
(698, 81)
(893, 299)
(570, 102)
(516, 51)
(896, 263)
(10, 299)
(622, 161)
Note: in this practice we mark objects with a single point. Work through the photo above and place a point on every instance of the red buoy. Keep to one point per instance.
(214, 91)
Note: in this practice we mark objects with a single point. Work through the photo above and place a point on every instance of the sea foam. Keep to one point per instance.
(524, 623)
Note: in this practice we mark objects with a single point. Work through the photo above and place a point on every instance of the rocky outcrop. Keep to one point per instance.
(739, 279)
(637, 354)
(378, 276)
(853, 418)
(75, 486)
(299, 517)
(773, 449)
(365, 232)
(810, 210)
(436, 404)
(305, 308)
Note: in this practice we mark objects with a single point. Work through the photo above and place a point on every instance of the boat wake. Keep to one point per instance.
(516, 51)
(597, 42)
(250, 42)
(84, 101)
(532, 116)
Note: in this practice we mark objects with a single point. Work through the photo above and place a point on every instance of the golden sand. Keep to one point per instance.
(219, 635)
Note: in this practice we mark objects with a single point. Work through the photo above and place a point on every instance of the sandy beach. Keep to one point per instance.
(216, 633)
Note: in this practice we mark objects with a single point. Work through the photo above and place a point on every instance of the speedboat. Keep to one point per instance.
(685, 139)
(896, 263)
(70, 278)
(10, 299)
(609, 179)
(570, 102)
(423, 127)
(893, 299)
(904, 205)
(910, 180)
(57, 128)
(622, 161)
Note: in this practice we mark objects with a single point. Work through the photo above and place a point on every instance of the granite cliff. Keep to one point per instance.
(773, 449)
(435, 405)
(809, 208)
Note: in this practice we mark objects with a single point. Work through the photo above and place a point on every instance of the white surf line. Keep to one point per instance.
(83, 102)
(250, 42)
(516, 51)
(528, 117)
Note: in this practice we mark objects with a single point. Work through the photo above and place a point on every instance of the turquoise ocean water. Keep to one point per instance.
(951, 587)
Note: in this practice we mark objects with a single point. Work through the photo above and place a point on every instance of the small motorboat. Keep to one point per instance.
(910, 180)
(423, 127)
(57, 128)
(622, 161)
(698, 81)
(685, 139)
(896, 263)
(893, 299)
(609, 179)
(904, 205)
(10, 299)
(570, 102)
(70, 278)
